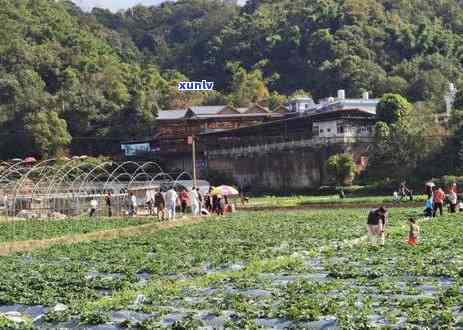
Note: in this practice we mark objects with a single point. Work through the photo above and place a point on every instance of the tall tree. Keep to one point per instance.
(392, 108)
(49, 133)
(341, 168)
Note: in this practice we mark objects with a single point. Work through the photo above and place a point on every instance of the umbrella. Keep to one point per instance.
(75, 157)
(430, 184)
(30, 160)
(225, 191)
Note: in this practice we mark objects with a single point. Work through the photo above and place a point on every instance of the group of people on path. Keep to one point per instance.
(164, 204)
(437, 198)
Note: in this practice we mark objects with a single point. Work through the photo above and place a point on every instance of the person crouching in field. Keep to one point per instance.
(414, 232)
(377, 220)
(428, 208)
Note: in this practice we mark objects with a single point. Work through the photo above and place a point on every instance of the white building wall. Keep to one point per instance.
(329, 129)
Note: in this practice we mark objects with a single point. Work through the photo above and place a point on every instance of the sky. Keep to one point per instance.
(116, 5)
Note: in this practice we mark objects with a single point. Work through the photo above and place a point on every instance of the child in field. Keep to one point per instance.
(414, 232)
(428, 208)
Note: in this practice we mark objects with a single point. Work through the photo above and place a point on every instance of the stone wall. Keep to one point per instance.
(284, 171)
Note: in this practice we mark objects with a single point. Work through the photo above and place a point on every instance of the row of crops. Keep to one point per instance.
(45, 229)
(304, 269)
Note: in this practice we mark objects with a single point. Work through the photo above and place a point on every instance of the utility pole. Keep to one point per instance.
(192, 141)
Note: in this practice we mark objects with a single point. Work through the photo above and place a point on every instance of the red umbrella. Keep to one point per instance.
(30, 160)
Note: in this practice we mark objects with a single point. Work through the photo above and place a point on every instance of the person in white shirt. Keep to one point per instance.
(132, 204)
(171, 203)
(194, 200)
(395, 198)
(93, 207)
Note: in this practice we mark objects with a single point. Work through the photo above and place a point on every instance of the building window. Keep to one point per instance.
(340, 128)
(306, 106)
(315, 131)
(321, 130)
(328, 130)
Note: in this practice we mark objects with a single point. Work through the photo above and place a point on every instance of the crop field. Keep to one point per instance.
(21, 230)
(306, 200)
(308, 269)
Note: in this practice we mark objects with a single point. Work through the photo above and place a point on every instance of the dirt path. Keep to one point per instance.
(328, 206)
(25, 246)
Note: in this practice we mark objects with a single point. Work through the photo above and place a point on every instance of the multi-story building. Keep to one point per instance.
(175, 126)
(257, 145)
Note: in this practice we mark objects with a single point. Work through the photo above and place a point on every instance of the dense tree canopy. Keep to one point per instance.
(406, 140)
(392, 108)
(407, 47)
(60, 66)
(341, 168)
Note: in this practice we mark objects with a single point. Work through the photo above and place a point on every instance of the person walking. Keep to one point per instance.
(402, 190)
(171, 203)
(215, 204)
(184, 200)
(429, 188)
(395, 198)
(208, 202)
(376, 223)
(160, 205)
(220, 205)
(93, 207)
(194, 201)
(438, 201)
(108, 200)
(132, 204)
(453, 201)
(200, 199)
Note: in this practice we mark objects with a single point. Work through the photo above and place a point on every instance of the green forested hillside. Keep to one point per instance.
(66, 81)
(413, 47)
(80, 81)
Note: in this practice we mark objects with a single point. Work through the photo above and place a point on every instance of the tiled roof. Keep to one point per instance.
(238, 115)
(207, 110)
(171, 114)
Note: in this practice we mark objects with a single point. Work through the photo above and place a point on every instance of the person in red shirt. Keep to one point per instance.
(184, 200)
(438, 201)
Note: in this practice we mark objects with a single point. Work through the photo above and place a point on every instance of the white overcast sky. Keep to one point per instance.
(115, 5)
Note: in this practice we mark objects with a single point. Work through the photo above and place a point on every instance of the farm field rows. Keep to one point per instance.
(306, 200)
(21, 230)
(305, 269)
